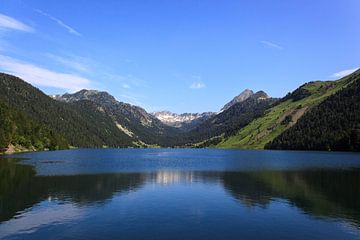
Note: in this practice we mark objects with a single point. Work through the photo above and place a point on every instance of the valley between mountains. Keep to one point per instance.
(319, 115)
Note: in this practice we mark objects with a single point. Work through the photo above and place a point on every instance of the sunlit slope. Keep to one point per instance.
(283, 115)
(333, 125)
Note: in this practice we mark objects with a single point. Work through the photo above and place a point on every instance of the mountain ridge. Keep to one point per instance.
(227, 122)
(133, 120)
(334, 124)
(184, 121)
(285, 114)
(81, 125)
(90, 118)
(239, 98)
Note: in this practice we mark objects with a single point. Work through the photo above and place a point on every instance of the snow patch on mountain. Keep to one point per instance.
(179, 120)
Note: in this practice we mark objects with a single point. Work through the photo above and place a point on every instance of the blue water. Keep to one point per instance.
(180, 194)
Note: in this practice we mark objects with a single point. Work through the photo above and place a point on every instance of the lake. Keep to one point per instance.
(180, 194)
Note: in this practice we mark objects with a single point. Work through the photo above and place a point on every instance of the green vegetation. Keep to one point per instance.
(317, 116)
(228, 122)
(332, 125)
(141, 127)
(284, 115)
(23, 133)
(40, 122)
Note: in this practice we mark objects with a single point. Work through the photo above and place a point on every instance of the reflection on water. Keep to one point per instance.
(30, 203)
(20, 188)
(168, 177)
(327, 193)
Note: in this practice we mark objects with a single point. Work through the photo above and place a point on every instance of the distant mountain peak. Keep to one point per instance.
(115, 108)
(239, 98)
(183, 119)
(170, 117)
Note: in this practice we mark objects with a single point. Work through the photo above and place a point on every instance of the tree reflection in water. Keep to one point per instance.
(321, 193)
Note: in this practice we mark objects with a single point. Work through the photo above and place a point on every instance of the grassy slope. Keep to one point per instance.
(264, 129)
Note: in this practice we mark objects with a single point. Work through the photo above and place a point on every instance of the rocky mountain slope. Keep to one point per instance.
(134, 121)
(189, 121)
(239, 98)
(184, 121)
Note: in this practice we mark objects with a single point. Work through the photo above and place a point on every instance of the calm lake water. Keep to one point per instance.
(180, 194)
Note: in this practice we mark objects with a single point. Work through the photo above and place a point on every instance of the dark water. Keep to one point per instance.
(180, 194)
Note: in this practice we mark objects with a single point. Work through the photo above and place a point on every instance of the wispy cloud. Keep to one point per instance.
(73, 62)
(7, 22)
(125, 85)
(197, 85)
(42, 76)
(344, 73)
(271, 44)
(127, 80)
(134, 99)
(59, 22)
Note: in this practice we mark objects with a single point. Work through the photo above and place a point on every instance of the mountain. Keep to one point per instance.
(184, 121)
(319, 115)
(239, 98)
(228, 122)
(134, 121)
(82, 125)
(332, 125)
(285, 114)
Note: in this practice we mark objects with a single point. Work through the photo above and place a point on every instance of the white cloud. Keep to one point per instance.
(127, 86)
(7, 22)
(59, 22)
(74, 62)
(344, 73)
(126, 80)
(197, 85)
(42, 76)
(271, 45)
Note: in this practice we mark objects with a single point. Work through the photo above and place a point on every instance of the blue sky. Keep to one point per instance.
(182, 56)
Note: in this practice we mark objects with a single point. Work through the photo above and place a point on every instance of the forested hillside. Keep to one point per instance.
(20, 132)
(284, 115)
(319, 115)
(82, 125)
(332, 125)
(143, 128)
(228, 122)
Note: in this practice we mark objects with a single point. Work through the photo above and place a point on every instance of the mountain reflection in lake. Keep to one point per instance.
(316, 203)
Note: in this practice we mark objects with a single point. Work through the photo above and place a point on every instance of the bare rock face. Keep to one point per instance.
(240, 98)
